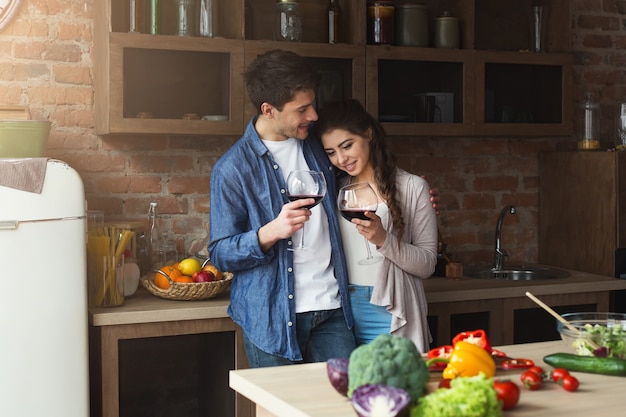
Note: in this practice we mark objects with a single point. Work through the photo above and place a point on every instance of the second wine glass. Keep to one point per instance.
(305, 184)
(353, 201)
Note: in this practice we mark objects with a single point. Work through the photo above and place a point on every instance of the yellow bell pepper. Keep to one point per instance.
(469, 360)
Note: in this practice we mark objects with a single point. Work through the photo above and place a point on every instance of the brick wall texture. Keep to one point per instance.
(46, 63)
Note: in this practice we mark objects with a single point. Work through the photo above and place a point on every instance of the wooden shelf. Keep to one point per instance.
(487, 88)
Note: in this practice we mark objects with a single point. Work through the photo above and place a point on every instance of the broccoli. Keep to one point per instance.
(388, 360)
(472, 396)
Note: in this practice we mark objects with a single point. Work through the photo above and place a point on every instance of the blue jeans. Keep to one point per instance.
(369, 320)
(321, 335)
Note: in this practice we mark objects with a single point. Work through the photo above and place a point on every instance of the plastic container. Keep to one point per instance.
(130, 273)
(23, 138)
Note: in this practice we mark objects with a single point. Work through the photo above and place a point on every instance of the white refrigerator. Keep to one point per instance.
(43, 298)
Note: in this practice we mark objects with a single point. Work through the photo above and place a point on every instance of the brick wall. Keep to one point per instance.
(46, 63)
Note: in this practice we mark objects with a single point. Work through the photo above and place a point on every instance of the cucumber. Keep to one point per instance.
(588, 364)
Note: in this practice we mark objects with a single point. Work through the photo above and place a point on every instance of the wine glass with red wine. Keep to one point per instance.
(353, 201)
(305, 184)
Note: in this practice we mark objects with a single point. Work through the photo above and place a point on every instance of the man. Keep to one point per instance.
(293, 306)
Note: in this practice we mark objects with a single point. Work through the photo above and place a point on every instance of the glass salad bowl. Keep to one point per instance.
(595, 334)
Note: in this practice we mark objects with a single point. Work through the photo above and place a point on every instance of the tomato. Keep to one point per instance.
(558, 374)
(531, 380)
(569, 383)
(538, 370)
(508, 392)
(444, 383)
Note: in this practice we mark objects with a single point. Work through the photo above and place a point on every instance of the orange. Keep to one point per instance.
(213, 269)
(172, 271)
(183, 278)
(161, 281)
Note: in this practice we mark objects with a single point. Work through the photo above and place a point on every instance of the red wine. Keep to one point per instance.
(350, 214)
(317, 198)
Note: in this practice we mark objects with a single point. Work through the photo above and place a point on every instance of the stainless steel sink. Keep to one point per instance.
(519, 273)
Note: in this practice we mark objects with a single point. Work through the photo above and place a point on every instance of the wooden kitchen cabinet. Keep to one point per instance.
(163, 83)
(582, 210)
(341, 68)
(153, 357)
(509, 320)
(491, 86)
(525, 93)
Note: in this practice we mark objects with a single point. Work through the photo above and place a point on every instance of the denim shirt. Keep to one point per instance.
(247, 192)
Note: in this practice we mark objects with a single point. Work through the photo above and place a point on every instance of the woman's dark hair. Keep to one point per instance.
(351, 116)
(276, 76)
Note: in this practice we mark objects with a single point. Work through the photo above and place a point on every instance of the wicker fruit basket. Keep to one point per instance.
(189, 291)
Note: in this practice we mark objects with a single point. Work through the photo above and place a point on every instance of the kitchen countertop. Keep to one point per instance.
(283, 392)
(465, 289)
(143, 307)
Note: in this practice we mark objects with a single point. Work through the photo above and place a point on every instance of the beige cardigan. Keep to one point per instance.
(408, 262)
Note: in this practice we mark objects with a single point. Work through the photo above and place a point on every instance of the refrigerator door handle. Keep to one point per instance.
(8, 224)
(14, 224)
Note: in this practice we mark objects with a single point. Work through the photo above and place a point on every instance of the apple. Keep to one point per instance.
(203, 276)
(212, 269)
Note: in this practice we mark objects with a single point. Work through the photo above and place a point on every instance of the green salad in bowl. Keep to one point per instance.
(595, 334)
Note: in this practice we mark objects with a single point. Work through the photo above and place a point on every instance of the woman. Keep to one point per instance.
(387, 297)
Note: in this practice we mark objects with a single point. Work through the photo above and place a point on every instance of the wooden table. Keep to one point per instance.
(304, 390)
(144, 315)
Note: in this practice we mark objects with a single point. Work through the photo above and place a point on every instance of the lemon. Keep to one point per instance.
(189, 266)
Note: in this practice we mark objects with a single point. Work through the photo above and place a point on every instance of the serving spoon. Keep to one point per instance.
(559, 318)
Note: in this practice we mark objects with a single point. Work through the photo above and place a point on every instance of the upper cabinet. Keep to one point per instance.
(174, 83)
(165, 83)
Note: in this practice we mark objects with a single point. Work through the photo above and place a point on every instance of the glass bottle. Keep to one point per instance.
(333, 22)
(287, 21)
(588, 124)
(134, 17)
(155, 240)
(153, 16)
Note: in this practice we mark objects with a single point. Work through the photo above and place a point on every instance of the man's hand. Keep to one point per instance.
(291, 218)
(435, 199)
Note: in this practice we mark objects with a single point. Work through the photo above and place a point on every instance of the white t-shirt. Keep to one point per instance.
(355, 250)
(316, 286)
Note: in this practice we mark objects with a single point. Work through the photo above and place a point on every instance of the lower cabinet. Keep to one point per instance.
(162, 369)
(184, 375)
(509, 320)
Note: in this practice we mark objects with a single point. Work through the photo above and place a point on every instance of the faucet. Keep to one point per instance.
(501, 254)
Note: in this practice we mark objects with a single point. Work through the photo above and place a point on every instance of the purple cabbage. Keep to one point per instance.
(337, 369)
(378, 400)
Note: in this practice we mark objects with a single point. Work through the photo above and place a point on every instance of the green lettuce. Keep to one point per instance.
(467, 397)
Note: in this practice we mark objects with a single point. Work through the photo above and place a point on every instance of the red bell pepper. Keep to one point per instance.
(441, 352)
(475, 337)
(519, 363)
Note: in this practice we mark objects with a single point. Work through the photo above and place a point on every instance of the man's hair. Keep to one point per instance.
(276, 76)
